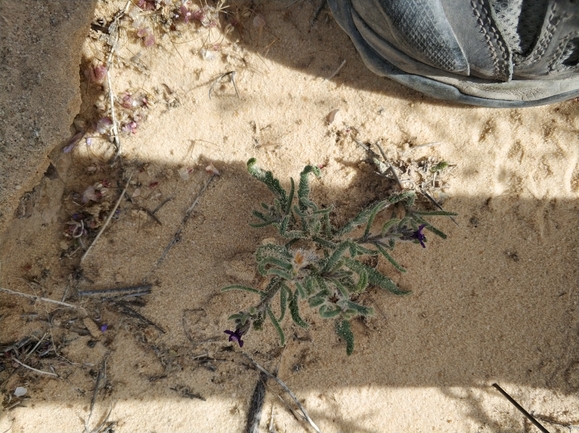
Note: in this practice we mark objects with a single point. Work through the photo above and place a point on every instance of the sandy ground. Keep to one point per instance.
(496, 302)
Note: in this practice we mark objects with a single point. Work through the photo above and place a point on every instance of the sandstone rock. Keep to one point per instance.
(40, 53)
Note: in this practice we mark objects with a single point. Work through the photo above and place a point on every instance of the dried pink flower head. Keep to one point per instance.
(146, 5)
(93, 193)
(127, 101)
(96, 74)
(103, 125)
(146, 34)
(212, 170)
(184, 172)
(130, 127)
(185, 14)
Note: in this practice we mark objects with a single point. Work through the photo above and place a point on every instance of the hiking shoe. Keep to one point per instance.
(493, 53)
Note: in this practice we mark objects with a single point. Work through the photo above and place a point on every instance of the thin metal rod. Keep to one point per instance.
(520, 409)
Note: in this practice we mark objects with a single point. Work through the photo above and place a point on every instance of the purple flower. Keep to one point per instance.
(104, 327)
(419, 235)
(71, 144)
(235, 336)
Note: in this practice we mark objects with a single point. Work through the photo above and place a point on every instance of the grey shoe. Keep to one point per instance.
(493, 53)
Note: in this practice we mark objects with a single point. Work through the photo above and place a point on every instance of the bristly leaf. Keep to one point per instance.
(260, 225)
(310, 285)
(357, 221)
(375, 278)
(276, 326)
(389, 257)
(284, 275)
(275, 264)
(433, 213)
(300, 289)
(317, 300)
(373, 212)
(290, 199)
(304, 188)
(283, 295)
(294, 310)
(328, 224)
(336, 255)
(408, 196)
(273, 250)
(430, 228)
(362, 281)
(439, 167)
(360, 250)
(344, 331)
(271, 182)
(389, 224)
(329, 311)
(360, 310)
(341, 287)
(323, 243)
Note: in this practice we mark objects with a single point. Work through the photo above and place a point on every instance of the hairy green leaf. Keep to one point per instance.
(283, 296)
(290, 199)
(389, 257)
(357, 221)
(362, 250)
(433, 213)
(295, 312)
(300, 289)
(362, 281)
(408, 196)
(329, 311)
(271, 182)
(360, 310)
(274, 263)
(375, 278)
(388, 225)
(272, 250)
(304, 187)
(429, 227)
(373, 212)
(277, 327)
(317, 300)
(310, 285)
(336, 256)
(344, 331)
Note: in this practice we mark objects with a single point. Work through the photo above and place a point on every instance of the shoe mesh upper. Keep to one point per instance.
(520, 22)
(415, 21)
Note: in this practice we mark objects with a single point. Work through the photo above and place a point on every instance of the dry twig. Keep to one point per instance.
(48, 373)
(144, 289)
(231, 75)
(336, 71)
(37, 298)
(108, 219)
(289, 391)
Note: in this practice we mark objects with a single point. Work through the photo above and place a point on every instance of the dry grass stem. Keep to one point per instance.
(37, 298)
(104, 226)
(336, 71)
(289, 391)
(47, 373)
